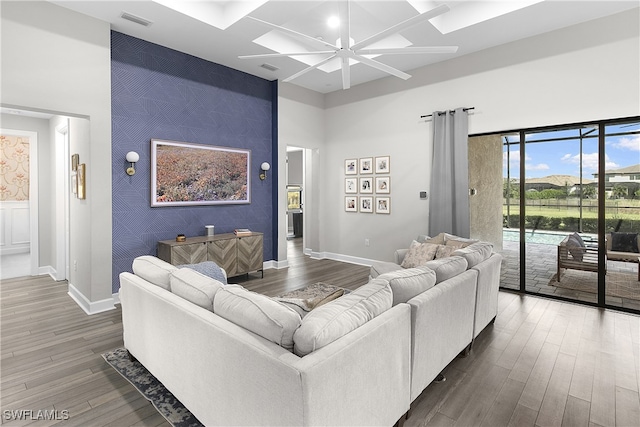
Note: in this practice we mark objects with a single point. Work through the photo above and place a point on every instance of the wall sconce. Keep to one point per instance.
(132, 158)
(265, 167)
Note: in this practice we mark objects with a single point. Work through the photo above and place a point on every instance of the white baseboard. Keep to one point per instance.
(90, 307)
(275, 264)
(339, 257)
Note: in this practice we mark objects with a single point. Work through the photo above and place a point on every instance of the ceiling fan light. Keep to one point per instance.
(333, 22)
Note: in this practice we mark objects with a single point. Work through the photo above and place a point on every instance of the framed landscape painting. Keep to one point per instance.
(185, 174)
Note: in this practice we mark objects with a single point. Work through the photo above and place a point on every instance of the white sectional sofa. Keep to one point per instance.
(446, 319)
(234, 357)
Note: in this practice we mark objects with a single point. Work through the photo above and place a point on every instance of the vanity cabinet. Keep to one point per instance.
(236, 254)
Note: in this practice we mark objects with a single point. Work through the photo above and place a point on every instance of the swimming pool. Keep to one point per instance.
(534, 236)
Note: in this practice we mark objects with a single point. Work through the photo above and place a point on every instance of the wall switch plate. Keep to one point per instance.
(423, 195)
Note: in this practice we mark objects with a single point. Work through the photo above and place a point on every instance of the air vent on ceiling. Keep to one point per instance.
(137, 19)
(269, 67)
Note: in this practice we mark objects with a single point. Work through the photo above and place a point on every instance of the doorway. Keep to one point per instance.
(19, 212)
(45, 217)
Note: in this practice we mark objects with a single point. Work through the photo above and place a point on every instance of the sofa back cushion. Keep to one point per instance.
(475, 253)
(407, 283)
(154, 270)
(194, 287)
(257, 313)
(331, 321)
(624, 242)
(446, 268)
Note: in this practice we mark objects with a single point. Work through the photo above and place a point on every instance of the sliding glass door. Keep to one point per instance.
(621, 196)
(571, 212)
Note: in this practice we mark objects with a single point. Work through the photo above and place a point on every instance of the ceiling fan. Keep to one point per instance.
(346, 50)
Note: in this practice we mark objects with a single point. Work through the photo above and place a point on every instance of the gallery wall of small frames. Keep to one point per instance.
(367, 185)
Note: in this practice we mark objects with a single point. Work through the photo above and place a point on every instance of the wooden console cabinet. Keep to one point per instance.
(236, 254)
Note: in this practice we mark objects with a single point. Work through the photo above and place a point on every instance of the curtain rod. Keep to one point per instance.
(430, 115)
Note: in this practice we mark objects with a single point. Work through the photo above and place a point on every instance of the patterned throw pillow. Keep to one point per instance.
(419, 254)
(445, 251)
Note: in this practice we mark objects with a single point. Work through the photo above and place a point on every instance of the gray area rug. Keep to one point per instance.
(163, 400)
(618, 284)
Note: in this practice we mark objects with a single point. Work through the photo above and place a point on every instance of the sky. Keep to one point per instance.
(563, 157)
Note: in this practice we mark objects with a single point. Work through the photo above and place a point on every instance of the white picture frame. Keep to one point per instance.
(383, 164)
(351, 203)
(366, 165)
(351, 167)
(383, 185)
(383, 205)
(366, 185)
(351, 185)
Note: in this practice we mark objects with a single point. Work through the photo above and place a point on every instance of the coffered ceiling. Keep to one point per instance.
(221, 31)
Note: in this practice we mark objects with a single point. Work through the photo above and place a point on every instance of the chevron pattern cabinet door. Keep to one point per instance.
(224, 253)
(189, 254)
(250, 256)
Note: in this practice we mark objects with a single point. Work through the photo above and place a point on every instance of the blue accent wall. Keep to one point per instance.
(160, 93)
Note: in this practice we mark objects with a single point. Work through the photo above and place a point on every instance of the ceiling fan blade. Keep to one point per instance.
(297, 35)
(382, 67)
(277, 55)
(408, 50)
(402, 26)
(313, 67)
(346, 73)
(345, 24)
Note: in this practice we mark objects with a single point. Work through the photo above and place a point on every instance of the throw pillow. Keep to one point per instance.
(257, 313)
(436, 240)
(194, 287)
(208, 268)
(452, 237)
(419, 254)
(624, 242)
(445, 251)
(575, 247)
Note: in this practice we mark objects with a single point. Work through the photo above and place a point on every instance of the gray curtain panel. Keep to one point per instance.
(449, 201)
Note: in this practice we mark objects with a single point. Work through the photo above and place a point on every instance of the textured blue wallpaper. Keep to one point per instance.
(161, 93)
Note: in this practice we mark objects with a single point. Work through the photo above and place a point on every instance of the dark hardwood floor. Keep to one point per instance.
(542, 362)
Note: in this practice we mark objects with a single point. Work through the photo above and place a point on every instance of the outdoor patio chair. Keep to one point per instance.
(576, 254)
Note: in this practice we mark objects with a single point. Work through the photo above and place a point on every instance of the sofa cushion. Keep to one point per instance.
(331, 321)
(624, 242)
(475, 253)
(382, 267)
(208, 268)
(446, 268)
(194, 287)
(418, 254)
(407, 283)
(153, 270)
(257, 313)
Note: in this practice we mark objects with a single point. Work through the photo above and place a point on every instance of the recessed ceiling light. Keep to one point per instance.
(333, 22)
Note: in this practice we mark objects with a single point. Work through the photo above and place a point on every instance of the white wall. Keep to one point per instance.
(301, 123)
(587, 72)
(58, 61)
